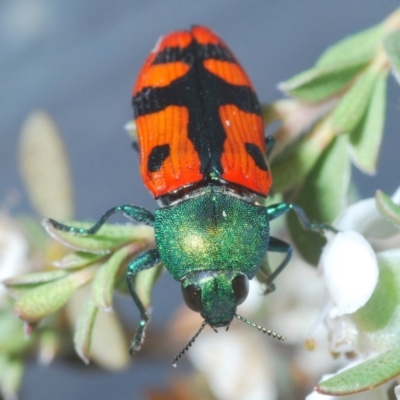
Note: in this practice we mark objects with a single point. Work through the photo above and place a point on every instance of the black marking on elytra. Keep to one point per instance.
(202, 93)
(157, 157)
(186, 55)
(257, 155)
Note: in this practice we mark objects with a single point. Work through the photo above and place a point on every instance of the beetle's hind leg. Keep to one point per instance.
(276, 210)
(267, 277)
(269, 144)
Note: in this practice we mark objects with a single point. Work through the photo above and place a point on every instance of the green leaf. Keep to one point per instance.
(353, 105)
(392, 47)
(291, 167)
(104, 282)
(35, 278)
(389, 209)
(21, 284)
(109, 237)
(98, 335)
(11, 371)
(45, 299)
(77, 260)
(365, 139)
(337, 66)
(84, 327)
(12, 337)
(365, 376)
(319, 83)
(381, 306)
(357, 47)
(322, 196)
(44, 167)
(49, 344)
(109, 347)
(378, 321)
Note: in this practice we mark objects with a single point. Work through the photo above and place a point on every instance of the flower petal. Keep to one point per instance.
(350, 270)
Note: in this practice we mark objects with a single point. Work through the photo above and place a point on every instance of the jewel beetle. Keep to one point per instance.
(203, 156)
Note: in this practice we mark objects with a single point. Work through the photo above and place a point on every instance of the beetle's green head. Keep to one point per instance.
(215, 295)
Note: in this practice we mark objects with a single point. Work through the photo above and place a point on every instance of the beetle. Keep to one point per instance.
(203, 156)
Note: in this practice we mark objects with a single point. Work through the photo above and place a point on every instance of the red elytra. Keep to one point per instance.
(198, 118)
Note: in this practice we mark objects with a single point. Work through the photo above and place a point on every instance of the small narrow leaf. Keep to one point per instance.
(108, 330)
(365, 376)
(365, 140)
(319, 83)
(377, 322)
(322, 196)
(297, 119)
(389, 209)
(104, 282)
(353, 105)
(291, 167)
(34, 278)
(49, 344)
(45, 299)
(12, 337)
(109, 237)
(19, 285)
(11, 377)
(84, 328)
(77, 260)
(392, 47)
(360, 46)
(44, 166)
(382, 306)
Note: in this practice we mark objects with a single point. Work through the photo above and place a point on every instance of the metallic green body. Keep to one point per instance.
(212, 232)
(212, 242)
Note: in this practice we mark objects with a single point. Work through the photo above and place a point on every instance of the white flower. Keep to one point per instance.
(355, 270)
(14, 251)
(237, 364)
(350, 268)
(350, 271)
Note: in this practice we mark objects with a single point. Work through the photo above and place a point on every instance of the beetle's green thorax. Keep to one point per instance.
(212, 232)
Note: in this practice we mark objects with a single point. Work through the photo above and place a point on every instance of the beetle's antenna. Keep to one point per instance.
(260, 328)
(186, 348)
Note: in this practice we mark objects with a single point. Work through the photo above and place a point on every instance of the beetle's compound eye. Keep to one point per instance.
(240, 286)
(192, 297)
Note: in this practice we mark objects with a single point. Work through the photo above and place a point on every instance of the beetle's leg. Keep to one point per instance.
(135, 146)
(278, 246)
(270, 144)
(135, 213)
(144, 261)
(276, 210)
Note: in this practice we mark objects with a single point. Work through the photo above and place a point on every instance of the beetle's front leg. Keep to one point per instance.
(134, 213)
(144, 261)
